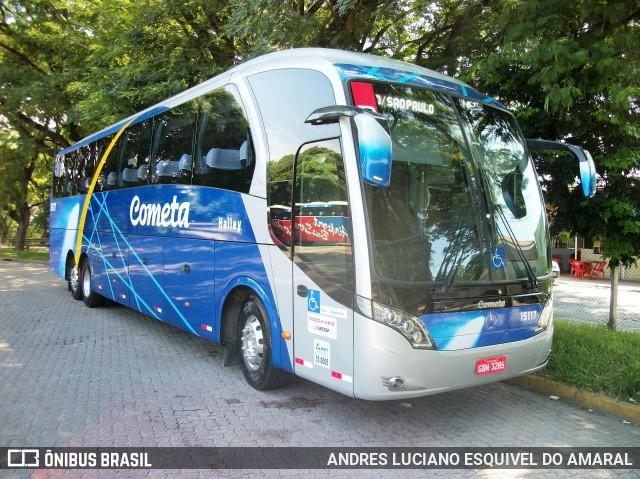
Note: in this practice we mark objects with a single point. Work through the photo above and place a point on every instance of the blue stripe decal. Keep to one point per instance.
(94, 230)
(473, 329)
(348, 72)
(408, 78)
(374, 72)
(108, 266)
(213, 234)
(128, 282)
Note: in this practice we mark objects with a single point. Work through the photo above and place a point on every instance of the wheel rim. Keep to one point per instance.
(86, 282)
(252, 343)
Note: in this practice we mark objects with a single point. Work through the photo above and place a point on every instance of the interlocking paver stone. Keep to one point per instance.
(73, 376)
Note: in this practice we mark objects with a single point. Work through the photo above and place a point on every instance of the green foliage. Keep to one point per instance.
(39, 45)
(143, 52)
(596, 359)
(568, 69)
(360, 25)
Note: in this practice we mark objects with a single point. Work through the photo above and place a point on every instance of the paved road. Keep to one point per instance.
(589, 300)
(71, 376)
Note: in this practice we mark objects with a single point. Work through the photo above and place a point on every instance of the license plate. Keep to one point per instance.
(491, 365)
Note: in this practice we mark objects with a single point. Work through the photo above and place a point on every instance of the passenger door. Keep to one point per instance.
(323, 268)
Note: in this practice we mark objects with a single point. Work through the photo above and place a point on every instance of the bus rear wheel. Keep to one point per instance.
(73, 275)
(254, 340)
(91, 298)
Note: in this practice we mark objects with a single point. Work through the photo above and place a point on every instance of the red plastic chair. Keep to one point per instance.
(573, 262)
(581, 269)
(598, 269)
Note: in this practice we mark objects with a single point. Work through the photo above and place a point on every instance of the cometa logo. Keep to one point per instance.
(172, 214)
(492, 304)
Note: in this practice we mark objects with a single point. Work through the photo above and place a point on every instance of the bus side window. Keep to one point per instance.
(74, 172)
(285, 98)
(172, 149)
(59, 177)
(87, 167)
(110, 167)
(135, 151)
(224, 155)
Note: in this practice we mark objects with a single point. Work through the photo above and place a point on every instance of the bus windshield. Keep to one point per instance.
(454, 212)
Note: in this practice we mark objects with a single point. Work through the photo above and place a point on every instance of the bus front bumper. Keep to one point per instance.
(386, 367)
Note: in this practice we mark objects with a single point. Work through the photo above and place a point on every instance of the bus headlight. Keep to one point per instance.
(406, 324)
(546, 317)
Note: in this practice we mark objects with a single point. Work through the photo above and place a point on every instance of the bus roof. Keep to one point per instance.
(348, 64)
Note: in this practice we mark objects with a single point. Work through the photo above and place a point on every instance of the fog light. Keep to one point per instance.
(395, 382)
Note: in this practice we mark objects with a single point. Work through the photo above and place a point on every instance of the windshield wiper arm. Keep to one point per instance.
(448, 281)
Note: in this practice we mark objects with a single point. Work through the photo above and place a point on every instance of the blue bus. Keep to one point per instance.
(364, 223)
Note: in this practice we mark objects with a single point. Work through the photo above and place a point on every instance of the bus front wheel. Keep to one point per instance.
(254, 341)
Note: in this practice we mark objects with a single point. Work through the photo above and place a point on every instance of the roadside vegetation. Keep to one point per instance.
(37, 254)
(593, 358)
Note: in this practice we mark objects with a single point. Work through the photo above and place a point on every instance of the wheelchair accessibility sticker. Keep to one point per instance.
(322, 320)
(498, 258)
(313, 301)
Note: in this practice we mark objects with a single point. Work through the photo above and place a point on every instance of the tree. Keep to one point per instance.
(24, 186)
(37, 43)
(357, 25)
(69, 68)
(570, 71)
(147, 51)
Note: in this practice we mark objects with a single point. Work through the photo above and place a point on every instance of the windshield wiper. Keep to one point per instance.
(448, 281)
(530, 273)
(533, 280)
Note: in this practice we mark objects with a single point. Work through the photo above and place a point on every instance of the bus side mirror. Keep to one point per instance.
(374, 143)
(375, 151)
(585, 161)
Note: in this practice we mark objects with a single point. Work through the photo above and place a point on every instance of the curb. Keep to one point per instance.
(597, 402)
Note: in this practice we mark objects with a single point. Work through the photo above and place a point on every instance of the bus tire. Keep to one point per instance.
(74, 282)
(91, 298)
(254, 342)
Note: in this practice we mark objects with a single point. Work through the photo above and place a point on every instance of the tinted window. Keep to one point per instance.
(285, 99)
(173, 145)
(136, 151)
(112, 176)
(76, 162)
(322, 226)
(59, 177)
(224, 156)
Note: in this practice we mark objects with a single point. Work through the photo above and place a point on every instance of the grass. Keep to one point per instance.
(592, 358)
(38, 254)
